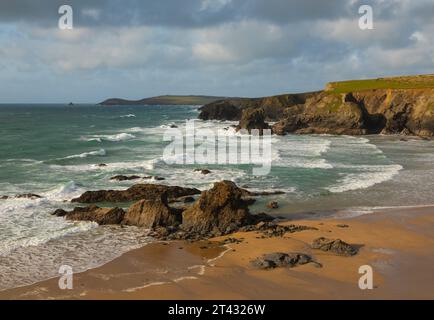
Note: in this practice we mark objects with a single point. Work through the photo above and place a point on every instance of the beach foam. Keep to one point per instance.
(100, 152)
(112, 138)
(370, 176)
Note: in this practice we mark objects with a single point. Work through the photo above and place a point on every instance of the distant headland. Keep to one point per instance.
(165, 100)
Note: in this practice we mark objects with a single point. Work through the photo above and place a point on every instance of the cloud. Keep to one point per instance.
(135, 48)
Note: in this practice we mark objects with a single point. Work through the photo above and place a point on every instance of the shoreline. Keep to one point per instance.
(396, 242)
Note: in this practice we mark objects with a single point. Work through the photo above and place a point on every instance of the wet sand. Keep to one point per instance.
(397, 243)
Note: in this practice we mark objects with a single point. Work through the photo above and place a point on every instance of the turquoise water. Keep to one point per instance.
(54, 151)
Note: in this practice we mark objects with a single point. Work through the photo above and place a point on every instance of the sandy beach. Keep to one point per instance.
(397, 243)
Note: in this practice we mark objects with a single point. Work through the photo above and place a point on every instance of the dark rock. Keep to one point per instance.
(153, 213)
(102, 165)
(342, 226)
(203, 171)
(220, 209)
(60, 213)
(134, 193)
(102, 216)
(271, 230)
(28, 196)
(220, 110)
(231, 241)
(188, 199)
(124, 178)
(261, 193)
(156, 178)
(261, 217)
(273, 205)
(253, 119)
(336, 246)
(285, 260)
(231, 109)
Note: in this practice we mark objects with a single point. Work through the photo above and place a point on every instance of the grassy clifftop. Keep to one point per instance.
(405, 82)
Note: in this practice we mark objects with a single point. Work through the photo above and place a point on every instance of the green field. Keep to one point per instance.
(407, 82)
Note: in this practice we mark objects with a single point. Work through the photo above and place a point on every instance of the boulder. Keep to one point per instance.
(220, 210)
(60, 213)
(124, 178)
(188, 199)
(134, 193)
(28, 196)
(336, 246)
(282, 260)
(31, 196)
(151, 214)
(203, 171)
(156, 178)
(271, 230)
(253, 119)
(102, 216)
(273, 205)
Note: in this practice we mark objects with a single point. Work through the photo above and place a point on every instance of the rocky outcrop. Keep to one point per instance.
(220, 210)
(102, 216)
(231, 109)
(221, 110)
(408, 112)
(282, 260)
(336, 246)
(358, 112)
(152, 214)
(273, 205)
(253, 119)
(156, 178)
(203, 171)
(324, 113)
(267, 229)
(31, 196)
(124, 178)
(134, 193)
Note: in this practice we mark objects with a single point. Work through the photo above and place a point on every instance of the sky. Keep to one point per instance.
(137, 48)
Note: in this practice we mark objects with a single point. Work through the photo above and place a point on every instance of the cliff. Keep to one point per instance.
(401, 105)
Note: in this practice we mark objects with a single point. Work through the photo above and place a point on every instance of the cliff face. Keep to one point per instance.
(386, 111)
(231, 109)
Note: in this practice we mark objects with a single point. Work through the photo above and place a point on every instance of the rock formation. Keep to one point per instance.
(134, 193)
(220, 110)
(285, 260)
(253, 119)
(220, 210)
(336, 246)
(203, 171)
(406, 110)
(124, 178)
(153, 213)
(102, 216)
(273, 205)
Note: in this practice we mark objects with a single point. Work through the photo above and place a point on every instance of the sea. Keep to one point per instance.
(56, 151)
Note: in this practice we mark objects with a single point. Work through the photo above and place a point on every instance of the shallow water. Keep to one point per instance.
(54, 151)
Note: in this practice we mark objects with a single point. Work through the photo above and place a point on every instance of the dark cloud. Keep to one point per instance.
(173, 13)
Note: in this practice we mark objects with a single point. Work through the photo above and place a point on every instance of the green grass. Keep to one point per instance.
(407, 82)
